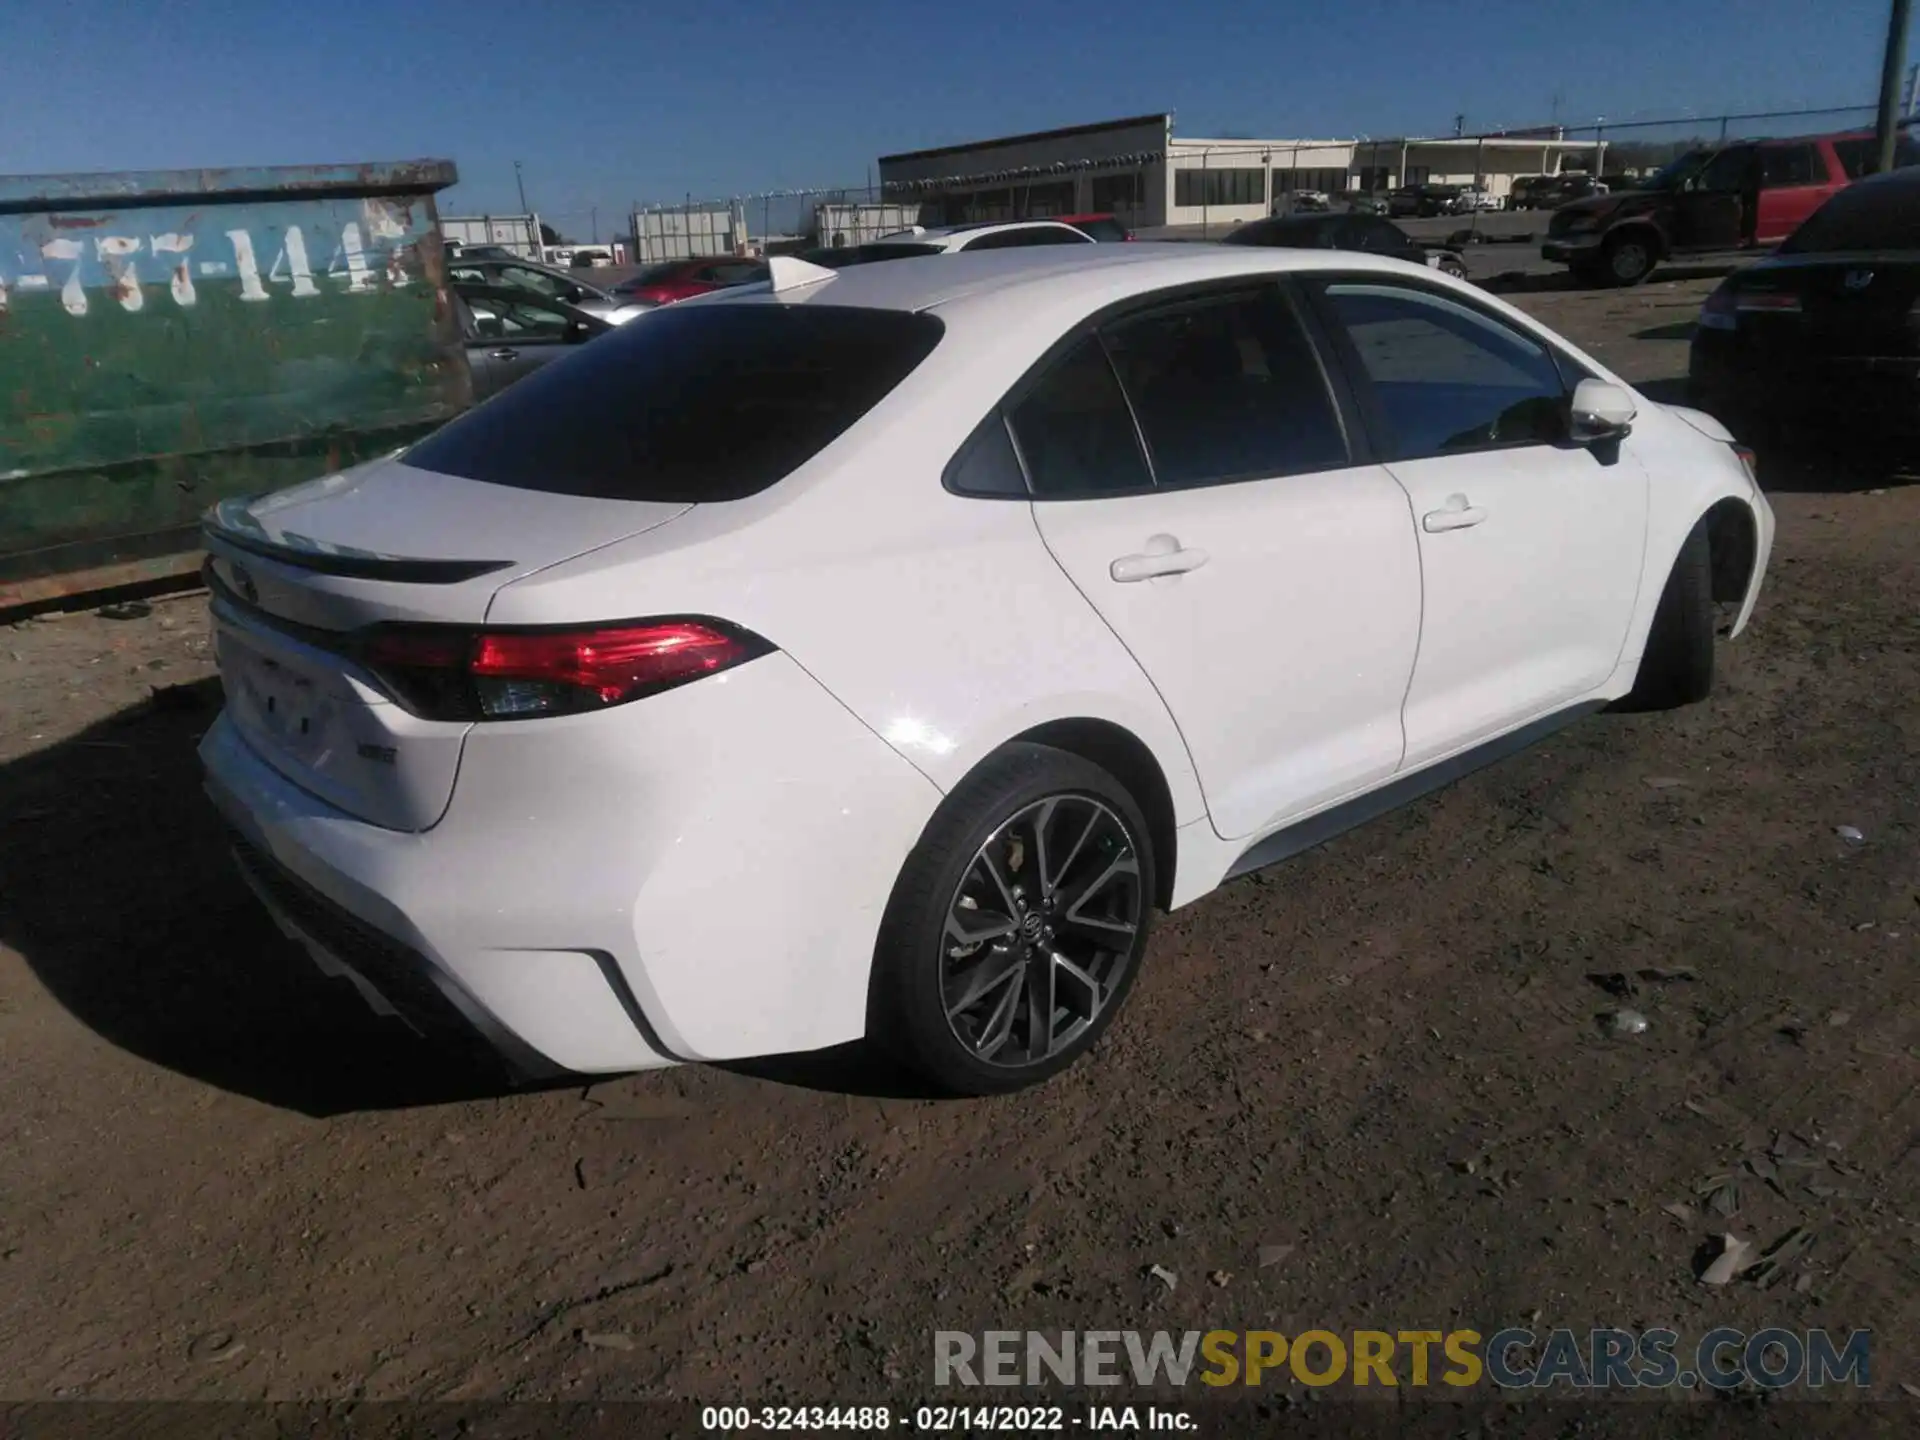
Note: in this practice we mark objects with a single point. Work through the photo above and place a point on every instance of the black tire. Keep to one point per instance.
(918, 967)
(1450, 266)
(1677, 668)
(1628, 258)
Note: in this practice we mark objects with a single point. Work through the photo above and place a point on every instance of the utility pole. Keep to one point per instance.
(596, 224)
(1888, 128)
(521, 184)
(1913, 89)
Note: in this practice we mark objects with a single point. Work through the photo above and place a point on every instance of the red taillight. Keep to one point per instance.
(1768, 302)
(1750, 460)
(446, 674)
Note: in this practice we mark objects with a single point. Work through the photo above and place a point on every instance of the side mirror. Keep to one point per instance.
(1600, 412)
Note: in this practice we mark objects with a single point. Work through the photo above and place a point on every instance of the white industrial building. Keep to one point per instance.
(1139, 170)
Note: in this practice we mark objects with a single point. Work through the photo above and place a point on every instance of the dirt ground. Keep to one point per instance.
(220, 1177)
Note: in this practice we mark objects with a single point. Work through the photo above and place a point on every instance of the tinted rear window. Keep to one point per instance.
(695, 404)
(1880, 215)
(1108, 230)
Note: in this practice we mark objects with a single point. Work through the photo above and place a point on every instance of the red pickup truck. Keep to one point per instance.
(1750, 194)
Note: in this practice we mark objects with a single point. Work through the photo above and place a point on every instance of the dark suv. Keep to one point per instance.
(1747, 195)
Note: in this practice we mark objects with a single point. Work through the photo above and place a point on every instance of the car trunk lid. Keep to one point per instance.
(301, 576)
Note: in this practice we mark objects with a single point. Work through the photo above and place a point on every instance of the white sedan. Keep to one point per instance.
(869, 653)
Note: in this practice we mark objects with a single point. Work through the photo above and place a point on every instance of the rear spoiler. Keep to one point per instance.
(230, 523)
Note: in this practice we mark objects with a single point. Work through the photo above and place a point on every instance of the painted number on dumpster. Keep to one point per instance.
(65, 261)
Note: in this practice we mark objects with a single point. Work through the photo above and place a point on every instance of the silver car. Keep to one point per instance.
(546, 281)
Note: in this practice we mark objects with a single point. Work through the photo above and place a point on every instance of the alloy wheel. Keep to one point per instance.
(1040, 930)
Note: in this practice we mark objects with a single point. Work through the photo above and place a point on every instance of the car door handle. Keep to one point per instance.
(1457, 515)
(1163, 556)
(503, 353)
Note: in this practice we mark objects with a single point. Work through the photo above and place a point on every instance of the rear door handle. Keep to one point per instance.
(1456, 515)
(503, 354)
(1162, 556)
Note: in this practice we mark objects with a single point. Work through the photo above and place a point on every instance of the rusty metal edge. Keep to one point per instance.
(45, 591)
(30, 194)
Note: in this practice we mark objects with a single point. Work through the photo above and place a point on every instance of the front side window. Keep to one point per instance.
(1444, 377)
(1227, 388)
(1075, 432)
(498, 318)
(1729, 170)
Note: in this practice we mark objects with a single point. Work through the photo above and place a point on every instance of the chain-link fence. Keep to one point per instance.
(1195, 187)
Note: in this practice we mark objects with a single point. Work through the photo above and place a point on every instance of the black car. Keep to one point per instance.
(1822, 332)
(1367, 233)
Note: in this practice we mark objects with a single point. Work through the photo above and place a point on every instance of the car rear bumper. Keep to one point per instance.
(1874, 397)
(698, 875)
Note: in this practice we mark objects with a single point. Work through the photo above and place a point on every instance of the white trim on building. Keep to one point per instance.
(1137, 169)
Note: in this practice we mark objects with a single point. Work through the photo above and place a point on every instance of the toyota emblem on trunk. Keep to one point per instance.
(1858, 279)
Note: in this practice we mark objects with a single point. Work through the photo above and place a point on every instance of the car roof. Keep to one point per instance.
(1006, 287)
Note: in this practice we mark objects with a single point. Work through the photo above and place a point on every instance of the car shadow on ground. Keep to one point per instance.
(121, 895)
(123, 898)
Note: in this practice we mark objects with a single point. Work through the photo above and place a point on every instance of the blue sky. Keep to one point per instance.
(608, 103)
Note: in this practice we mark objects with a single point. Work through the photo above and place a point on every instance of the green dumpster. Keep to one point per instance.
(170, 338)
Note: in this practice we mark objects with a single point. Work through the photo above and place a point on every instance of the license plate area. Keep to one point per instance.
(273, 697)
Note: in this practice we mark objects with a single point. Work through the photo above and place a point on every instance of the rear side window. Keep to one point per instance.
(1227, 388)
(1786, 165)
(1108, 230)
(1879, 215)
(705, 403)
(1859, 156)
(1075, 431)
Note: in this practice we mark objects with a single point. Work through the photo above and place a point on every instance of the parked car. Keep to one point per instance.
(672, 280)
(1527, 191)
(1820, 336)
(951, 240)
(1104, 228)
(1747, 195)
(593, 723)
(1368, 233)
(1303, 202)
(588, 257)
(1365, 204)
(545, 281)
(1405, 201)
(1566, 189)
(457, 251)
(510, 332)
(1472, 198)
